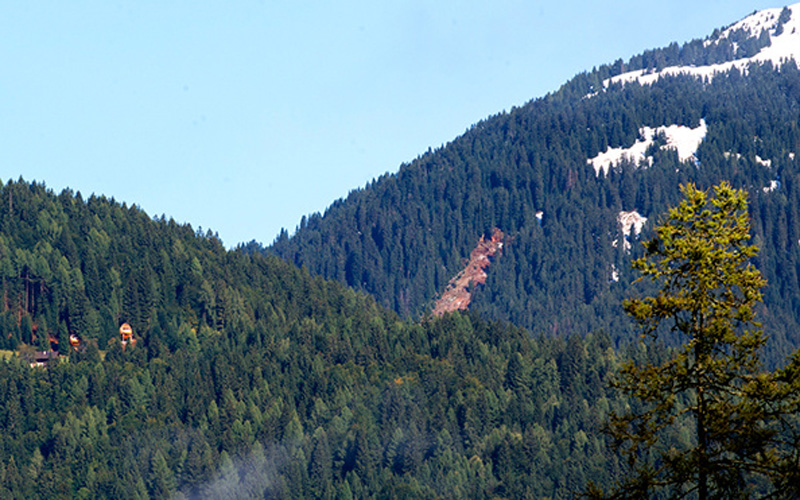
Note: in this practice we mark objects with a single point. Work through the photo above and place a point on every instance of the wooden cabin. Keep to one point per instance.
(126, 332)
(40, 358)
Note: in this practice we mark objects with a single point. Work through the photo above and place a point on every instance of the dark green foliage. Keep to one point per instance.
(404, 236)
(786, 14)
(250, 378)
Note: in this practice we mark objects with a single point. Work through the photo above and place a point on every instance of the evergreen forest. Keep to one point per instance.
(402, 237)
(250, 378)
(313, 367)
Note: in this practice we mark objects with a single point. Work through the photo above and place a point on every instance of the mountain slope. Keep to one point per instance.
(777, 41)
(250, 378)
(529, 173)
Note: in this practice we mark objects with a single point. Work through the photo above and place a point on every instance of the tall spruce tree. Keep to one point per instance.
(711, 388)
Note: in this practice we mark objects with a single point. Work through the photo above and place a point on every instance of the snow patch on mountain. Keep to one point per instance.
(761, 161)
(682, 139)
(636, 153)
(614, 273)
(773, 185)
(628, 222)
(784, 46)
(631, 221)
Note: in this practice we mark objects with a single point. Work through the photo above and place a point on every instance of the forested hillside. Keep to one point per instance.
(564, 268)
(271, 373)
(250, 378)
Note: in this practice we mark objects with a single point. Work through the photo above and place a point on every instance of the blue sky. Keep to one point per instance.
(241, 117)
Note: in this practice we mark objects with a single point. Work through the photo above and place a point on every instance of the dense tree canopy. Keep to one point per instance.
(250, 378)
(402, 237)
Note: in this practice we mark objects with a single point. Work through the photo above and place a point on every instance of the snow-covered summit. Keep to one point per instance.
(784, 46)
(753, 24)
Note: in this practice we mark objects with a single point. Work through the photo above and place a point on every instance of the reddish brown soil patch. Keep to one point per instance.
(458, 293)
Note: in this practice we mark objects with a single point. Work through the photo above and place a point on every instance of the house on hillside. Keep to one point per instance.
(40, 358)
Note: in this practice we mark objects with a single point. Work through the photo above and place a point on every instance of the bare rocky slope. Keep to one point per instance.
(458, 293)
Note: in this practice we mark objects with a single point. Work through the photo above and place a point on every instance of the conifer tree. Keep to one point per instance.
(713, 383)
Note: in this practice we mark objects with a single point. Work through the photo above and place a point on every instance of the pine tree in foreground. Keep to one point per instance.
(710, 422)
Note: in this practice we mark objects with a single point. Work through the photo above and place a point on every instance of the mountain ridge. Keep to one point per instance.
(529, 172)
(779, 25)
(252, 378)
